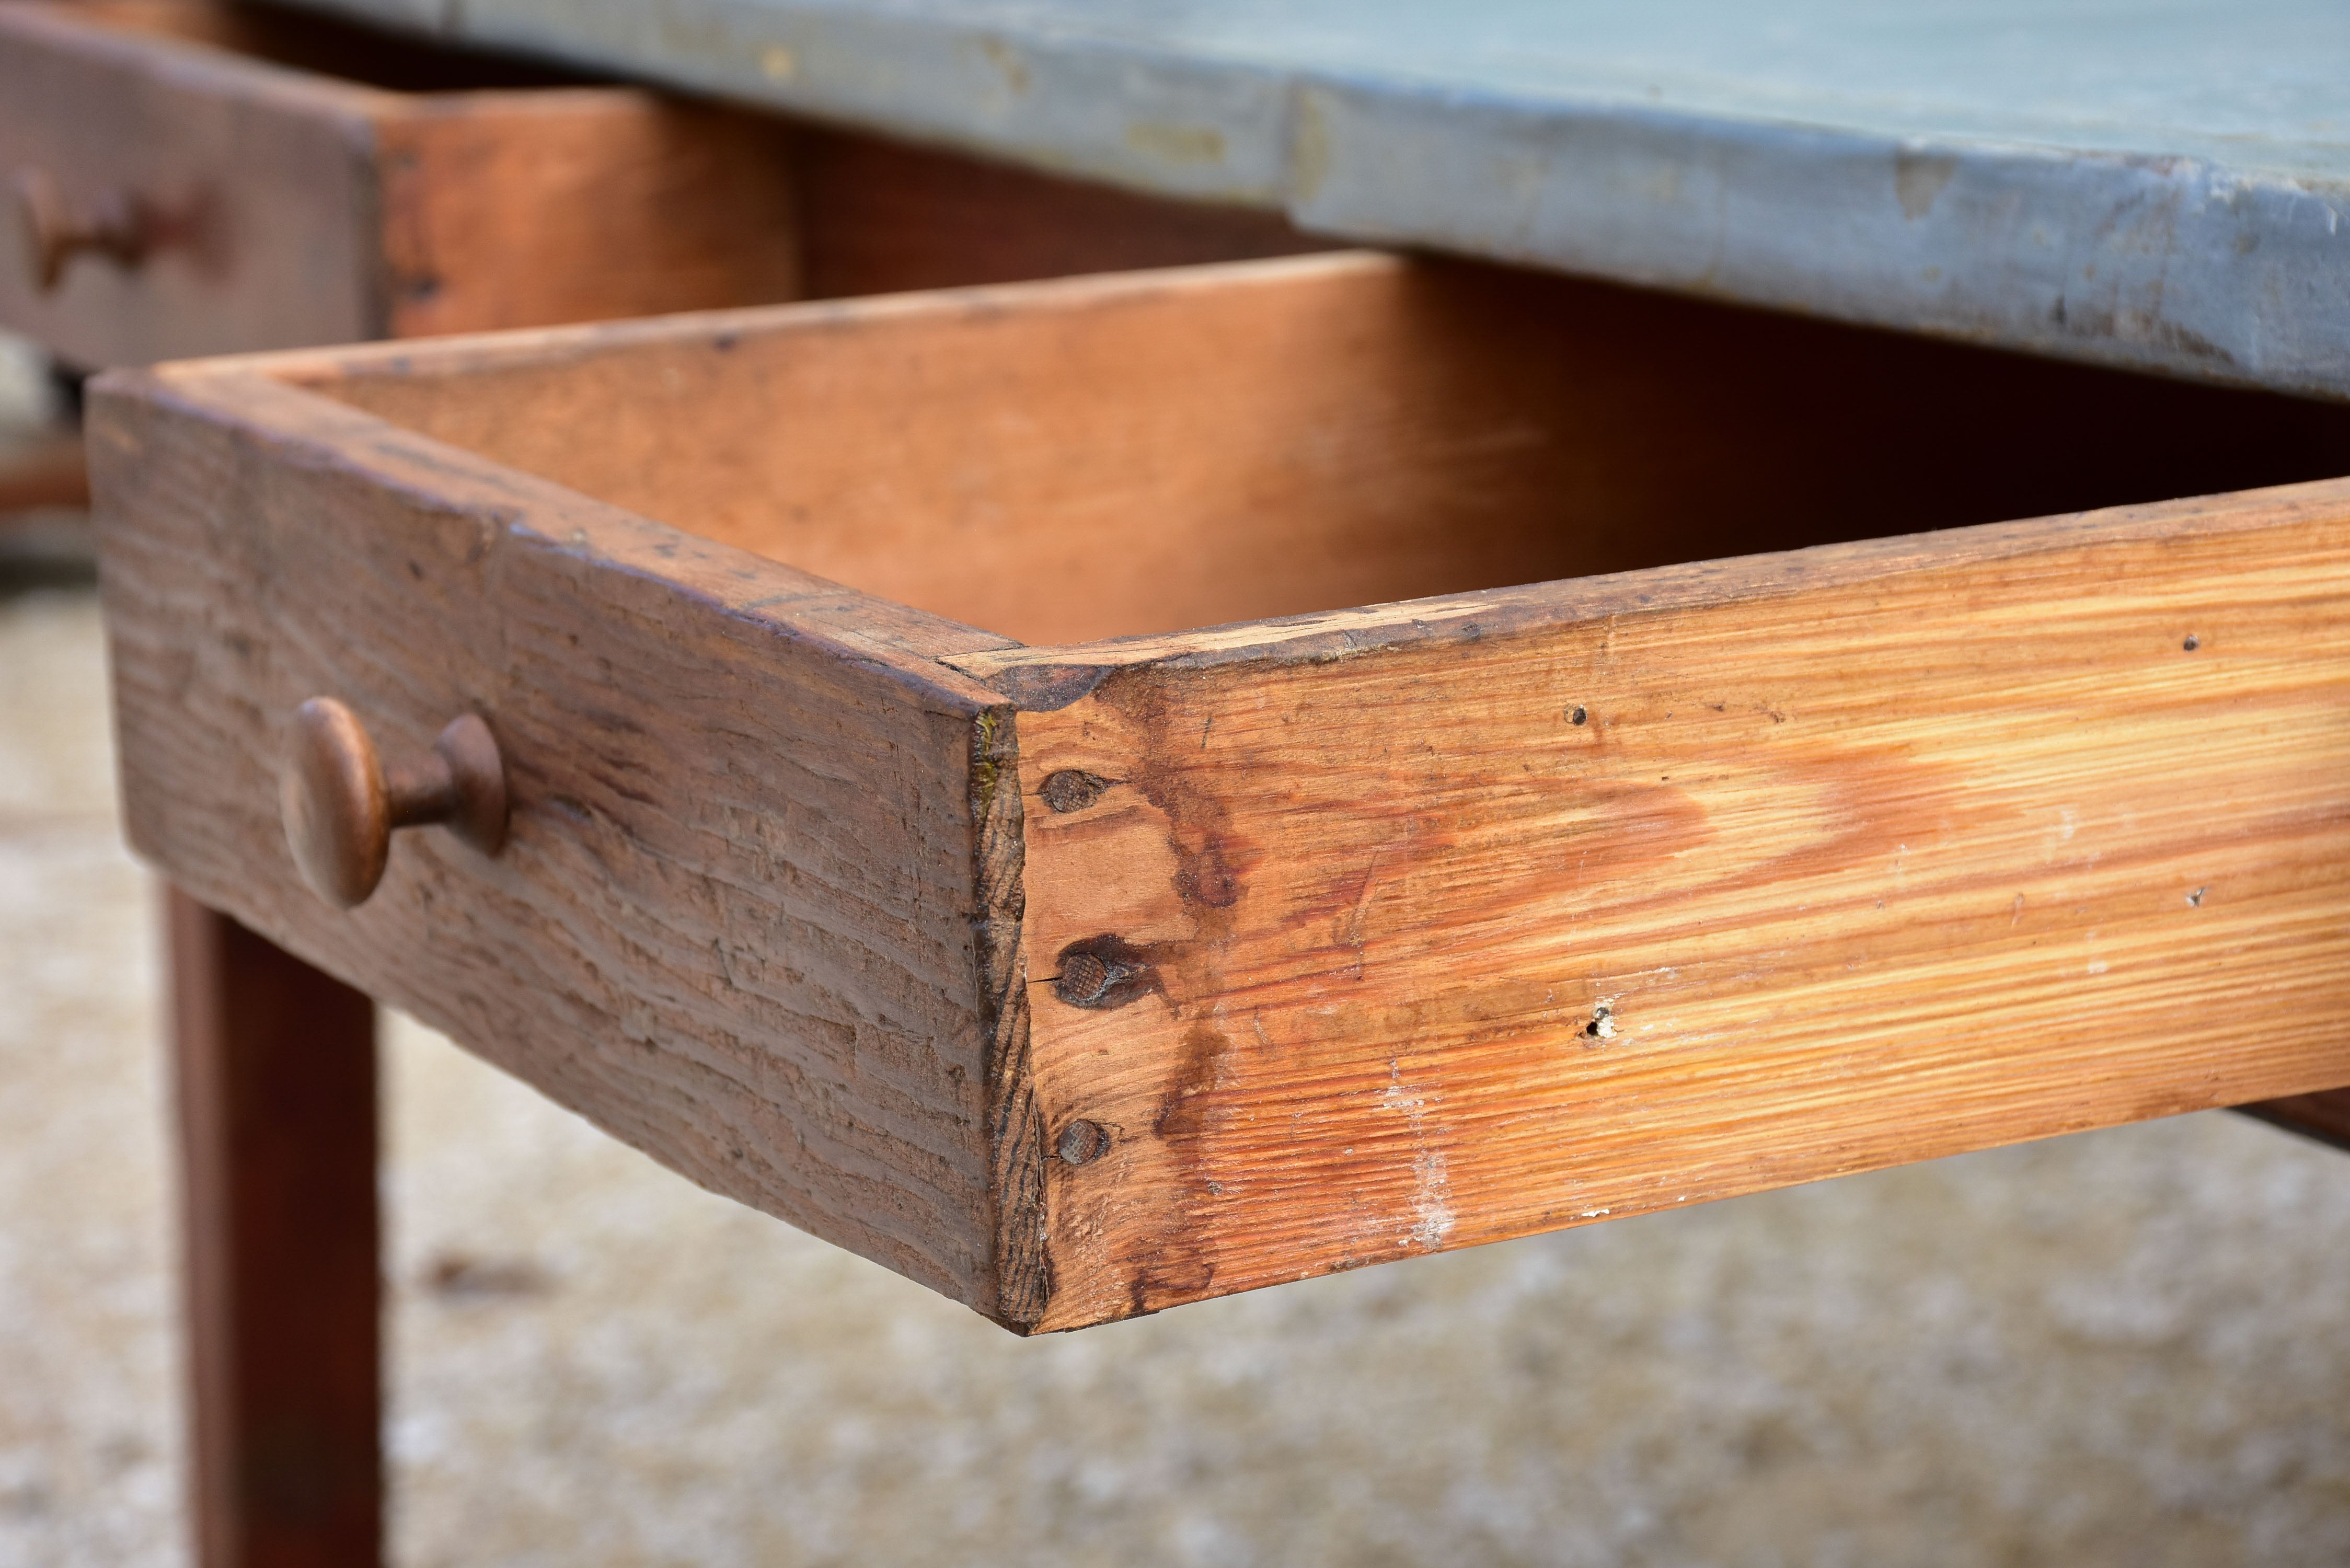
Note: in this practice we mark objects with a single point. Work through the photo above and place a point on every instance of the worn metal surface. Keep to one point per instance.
(2158, 185)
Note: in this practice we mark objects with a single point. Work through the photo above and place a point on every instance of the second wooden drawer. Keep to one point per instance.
(191, 177)
(195, 177)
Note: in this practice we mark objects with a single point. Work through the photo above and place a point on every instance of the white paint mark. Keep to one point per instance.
(1431, 1196)
(2097, 966)
(1593, 1214)
(1433, 1199)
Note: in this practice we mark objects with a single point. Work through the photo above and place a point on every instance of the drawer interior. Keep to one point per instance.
(1100, 457)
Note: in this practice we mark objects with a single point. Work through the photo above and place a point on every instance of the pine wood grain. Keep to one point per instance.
(1860, 854)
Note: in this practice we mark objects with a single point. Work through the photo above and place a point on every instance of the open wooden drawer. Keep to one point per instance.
(1125, 964)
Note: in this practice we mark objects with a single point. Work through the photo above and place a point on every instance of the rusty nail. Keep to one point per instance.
(1072, 789)
(1083, 980)
(1082, 1142)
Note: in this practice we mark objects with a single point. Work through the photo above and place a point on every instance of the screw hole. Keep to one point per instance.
(1577, 715)
(2192, 642)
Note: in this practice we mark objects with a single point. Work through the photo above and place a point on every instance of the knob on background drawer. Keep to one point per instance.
(116, 226)
(340, 803)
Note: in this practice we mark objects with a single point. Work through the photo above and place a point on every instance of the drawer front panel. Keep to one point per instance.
(733, 921)
(249, 188)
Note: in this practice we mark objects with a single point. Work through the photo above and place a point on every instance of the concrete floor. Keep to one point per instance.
(2125, 1348)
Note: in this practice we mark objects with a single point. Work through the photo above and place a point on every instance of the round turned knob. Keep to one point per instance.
(340, 803)
(116, 226)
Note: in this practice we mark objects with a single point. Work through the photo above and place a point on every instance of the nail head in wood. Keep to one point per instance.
(1082, 980)
(1072, 789)
(1082, 1142)
(340, 804)
(1101, 971)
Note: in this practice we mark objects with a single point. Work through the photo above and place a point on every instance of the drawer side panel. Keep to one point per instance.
(1399, 929)
(529, 209)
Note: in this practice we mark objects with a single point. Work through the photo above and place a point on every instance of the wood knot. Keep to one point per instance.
(1072, 789)
(1082, 1142)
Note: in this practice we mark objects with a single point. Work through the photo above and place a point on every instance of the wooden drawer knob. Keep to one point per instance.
(340, 803)
(116, 226)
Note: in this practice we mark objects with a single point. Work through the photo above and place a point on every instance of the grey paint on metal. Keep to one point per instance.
(2156, 185)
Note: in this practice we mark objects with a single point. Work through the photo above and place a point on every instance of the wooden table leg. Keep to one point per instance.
(2324, 1116)
(42, 469)
(276, 1066)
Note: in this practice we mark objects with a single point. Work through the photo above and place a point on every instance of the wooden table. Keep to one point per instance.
(1090, 963)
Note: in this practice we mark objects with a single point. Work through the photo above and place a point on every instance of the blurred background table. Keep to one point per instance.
(2157, 187)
